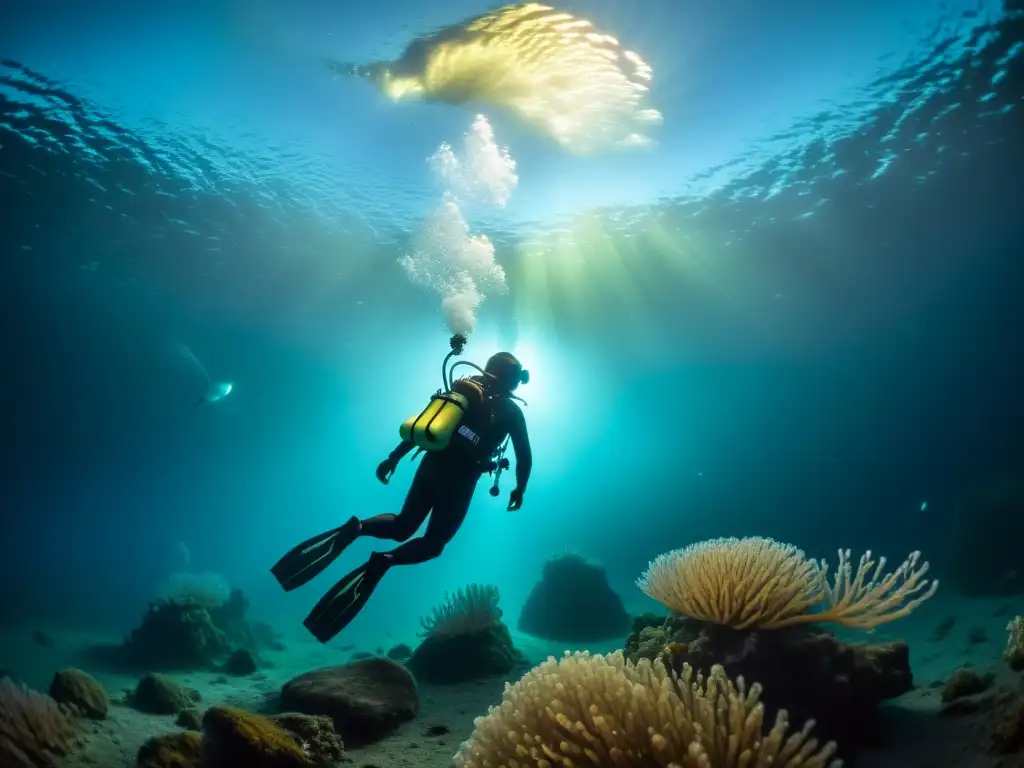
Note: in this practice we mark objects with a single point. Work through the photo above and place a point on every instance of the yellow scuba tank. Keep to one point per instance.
(433, 427)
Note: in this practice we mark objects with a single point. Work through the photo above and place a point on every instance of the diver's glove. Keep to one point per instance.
(515, 500)
(386, 469)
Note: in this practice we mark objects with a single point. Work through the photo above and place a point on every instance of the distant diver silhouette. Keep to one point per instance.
(555, 71)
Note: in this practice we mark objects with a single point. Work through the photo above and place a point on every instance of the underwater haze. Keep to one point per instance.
(762, 261)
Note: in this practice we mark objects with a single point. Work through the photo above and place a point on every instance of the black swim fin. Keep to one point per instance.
(310, 558)
(346, 599)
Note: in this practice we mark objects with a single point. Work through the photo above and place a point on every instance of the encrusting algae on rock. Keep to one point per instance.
(232, 738)
(231, 734)
(235, 737)
(173, 750)
(78, 689)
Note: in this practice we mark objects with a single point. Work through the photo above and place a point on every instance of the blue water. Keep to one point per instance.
(796, 315)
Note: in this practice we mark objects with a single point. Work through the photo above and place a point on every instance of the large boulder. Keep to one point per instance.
(366, 699)
(573, 603)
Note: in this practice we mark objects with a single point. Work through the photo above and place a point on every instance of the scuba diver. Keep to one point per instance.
(463, 433)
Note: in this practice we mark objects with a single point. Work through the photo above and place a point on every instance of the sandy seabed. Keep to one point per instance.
(920, 736)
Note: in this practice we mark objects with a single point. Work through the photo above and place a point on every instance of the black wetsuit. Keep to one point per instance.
(445, 481)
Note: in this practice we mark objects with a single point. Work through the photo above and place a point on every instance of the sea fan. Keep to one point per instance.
(469, 610)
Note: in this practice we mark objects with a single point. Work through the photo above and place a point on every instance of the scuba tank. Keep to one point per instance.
(432, 428)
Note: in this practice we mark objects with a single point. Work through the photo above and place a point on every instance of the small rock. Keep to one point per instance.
(400, 652)
(437, 730)
(173, 750)
(240, 663)
(323, 743)
(965, 682)
(190, 719)
(82, 691)
(234, 737)
(157, 694)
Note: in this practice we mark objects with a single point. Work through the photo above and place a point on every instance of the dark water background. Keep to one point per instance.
(851, 350)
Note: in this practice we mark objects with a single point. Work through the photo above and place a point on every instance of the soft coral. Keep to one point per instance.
(34, 731)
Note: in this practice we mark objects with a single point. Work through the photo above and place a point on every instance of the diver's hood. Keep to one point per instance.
(506, 370)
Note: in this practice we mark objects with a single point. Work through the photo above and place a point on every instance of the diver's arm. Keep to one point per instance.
(400, 451)
(521, 445)
(387, 467)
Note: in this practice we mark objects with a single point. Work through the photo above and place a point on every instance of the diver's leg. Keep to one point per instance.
(417, 506)
(346, 599)
(450, 507)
